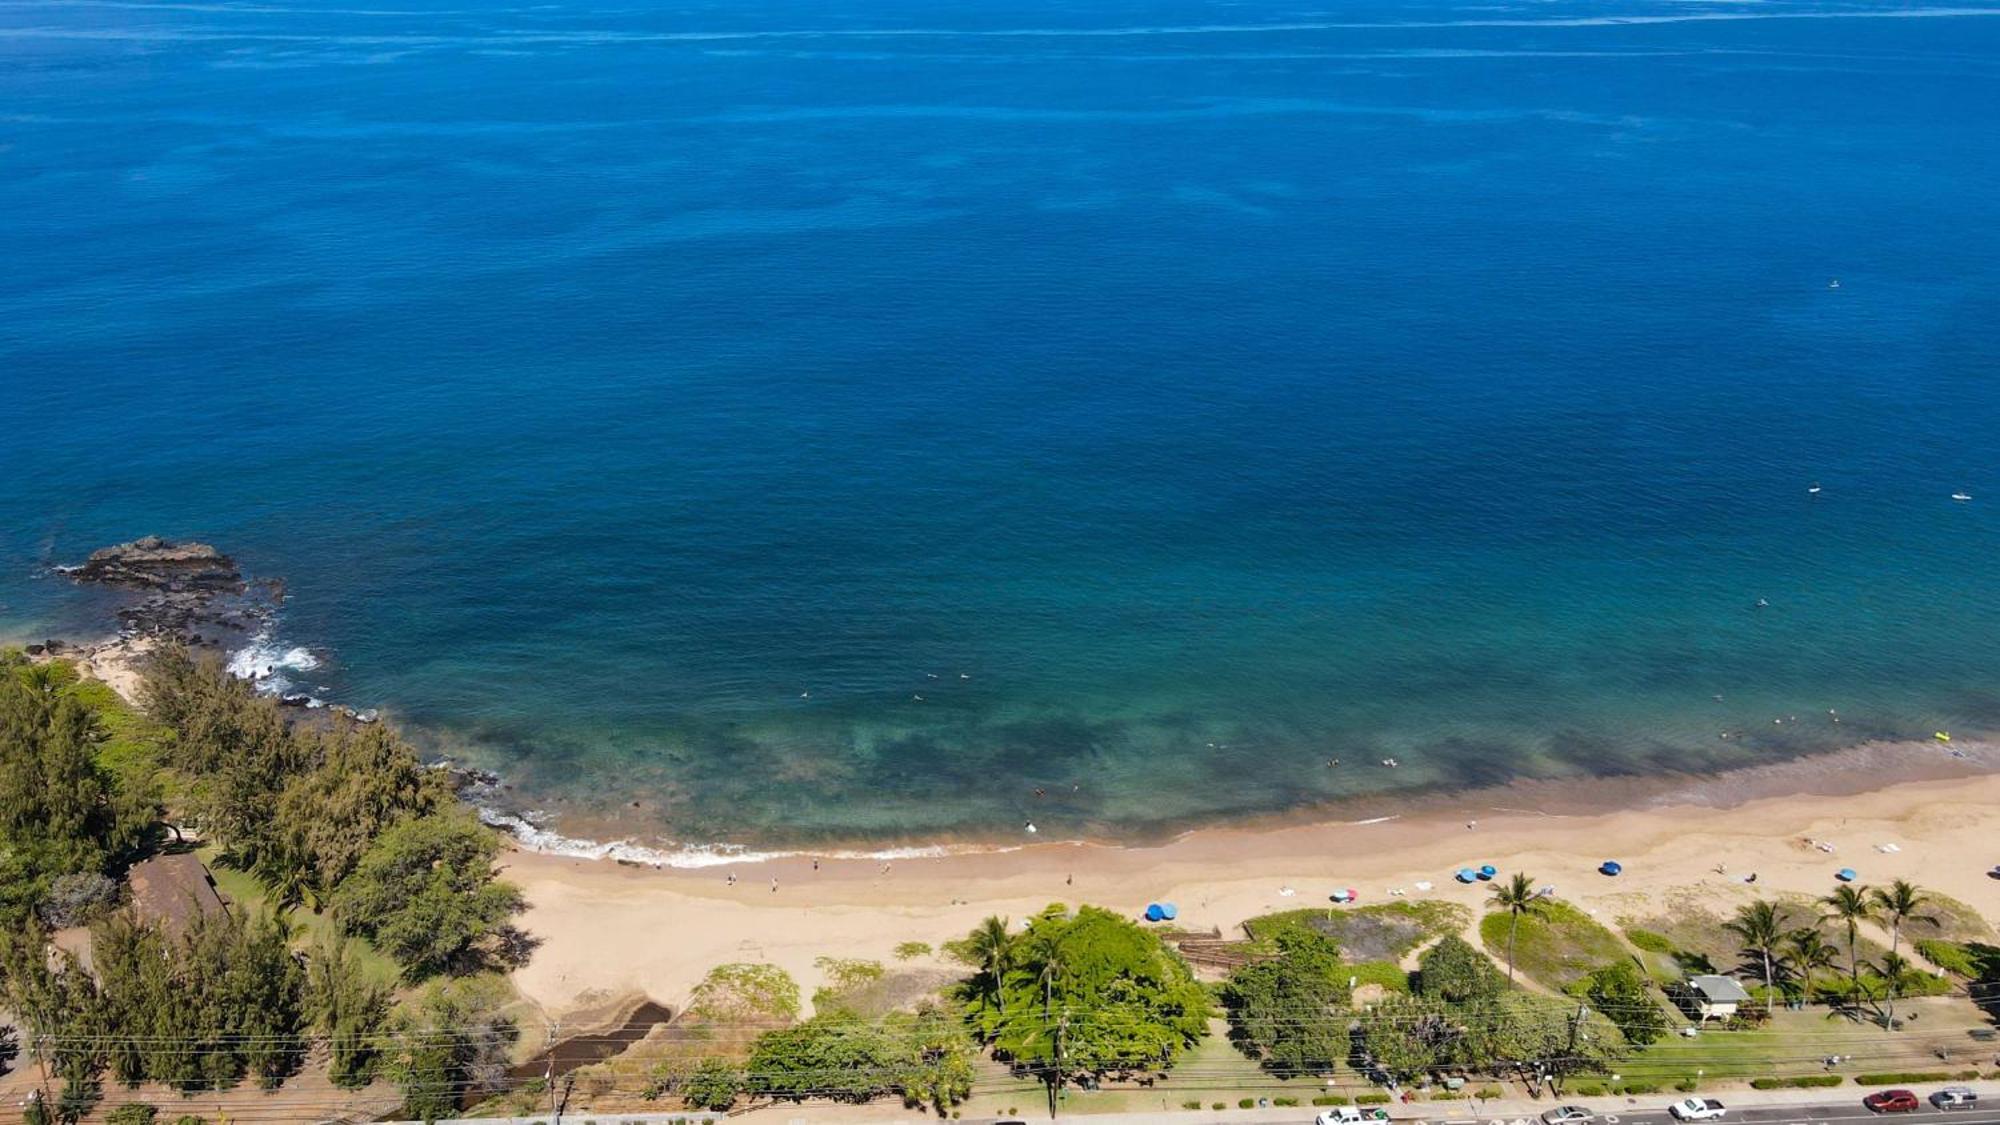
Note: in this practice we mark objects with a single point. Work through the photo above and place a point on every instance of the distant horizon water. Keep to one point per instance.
(778, 423)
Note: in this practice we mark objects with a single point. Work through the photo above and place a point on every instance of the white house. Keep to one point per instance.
(1716, 997)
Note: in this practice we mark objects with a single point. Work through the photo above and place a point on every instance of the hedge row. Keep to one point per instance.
(1802, 1082)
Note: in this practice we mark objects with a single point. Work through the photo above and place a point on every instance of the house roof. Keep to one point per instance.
(1719, 989)
(173, 890)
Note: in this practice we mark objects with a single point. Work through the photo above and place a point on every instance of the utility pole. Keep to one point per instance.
(549, 1078)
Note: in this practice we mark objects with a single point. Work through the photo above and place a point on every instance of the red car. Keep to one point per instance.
(1892, 1101)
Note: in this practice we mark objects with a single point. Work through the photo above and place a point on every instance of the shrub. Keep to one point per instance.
(1195, 1104)
(1246, 1103)
(1636, 1088)
(1587, 1090)
(1329, 1099)
(1901, 1077)
(1371, 1099)
(132, 1113)
(1949, 956)
(1687, 1085)
(1800, 1082)
(1650, 941)
(1284, 1101)
(1488, 1093)
(1213, 1105)
(1446, 1095)
(911, 950)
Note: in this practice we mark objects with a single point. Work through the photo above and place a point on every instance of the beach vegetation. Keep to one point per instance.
(1383, 932)
(1514, 1034)
(1289, 1011)
(1385, 975)
(1625, 996)
(1555, 943)
(1453, 971)
(925, 1057)
(713, 1084)
(1761, 926)
(1649, 941)
(1899, 903)
(1849, 906)
(62, 812)
(1516, 897)
(911, 950)
(451, 1045)
(1065, 969)
(745, 993)
(427, 895)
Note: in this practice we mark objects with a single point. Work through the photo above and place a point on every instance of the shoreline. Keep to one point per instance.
(602, 924)
(1684, 838)
(1835, 773)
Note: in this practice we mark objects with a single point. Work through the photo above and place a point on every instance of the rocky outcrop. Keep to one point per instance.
(153, 563)
(191, 592)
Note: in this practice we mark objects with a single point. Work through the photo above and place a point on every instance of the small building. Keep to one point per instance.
(1716, 997)
(172, 891)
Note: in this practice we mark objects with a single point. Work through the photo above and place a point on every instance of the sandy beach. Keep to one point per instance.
(610, 929)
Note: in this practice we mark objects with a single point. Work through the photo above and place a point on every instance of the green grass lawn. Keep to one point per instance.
(1557, 944)
(1795, 1042)
(242, 889)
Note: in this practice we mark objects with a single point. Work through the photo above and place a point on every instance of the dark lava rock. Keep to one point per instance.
(160, 564)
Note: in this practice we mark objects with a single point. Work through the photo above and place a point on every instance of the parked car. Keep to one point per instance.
(1892, 1101)
(1698, 1109)
(1956, 1097)
(1568, 1115)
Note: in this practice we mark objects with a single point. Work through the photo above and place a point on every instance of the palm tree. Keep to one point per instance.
(1900, 904)
(1808, 952)
(991, 949)
(1761, 925)
(1851, 906)
(1517, 896)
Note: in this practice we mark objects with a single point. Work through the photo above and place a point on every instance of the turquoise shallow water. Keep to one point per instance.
(824, 420)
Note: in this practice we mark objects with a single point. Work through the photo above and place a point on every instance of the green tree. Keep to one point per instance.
(713, 1085)
(1807, 952)
(347, 1009)
(1291, 1009)
(1901, 902)
(1453, 971)
(365, 778)
(989, 950)
(451, 1044)
(1621, 992)
(1760, 926)
(1090, 992)
(1542, 1041)
(1406, 1037)
(427, 894)
(1850, 906)
(1517, 896)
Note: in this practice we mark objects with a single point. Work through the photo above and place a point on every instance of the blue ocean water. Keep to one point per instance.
(827, 420)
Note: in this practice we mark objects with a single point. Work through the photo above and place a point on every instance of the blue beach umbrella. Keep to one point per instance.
(1611, 867)
(1466, 875)
(1488, 871)
(1169, 911)
(1155, 912)
(1845, 875)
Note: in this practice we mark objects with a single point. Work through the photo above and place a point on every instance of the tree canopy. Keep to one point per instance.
(426, 892)
(1090, 992)
(1292, 1009)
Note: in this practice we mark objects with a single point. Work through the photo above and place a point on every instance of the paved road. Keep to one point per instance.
(1652, 1111)
(1830, 1113)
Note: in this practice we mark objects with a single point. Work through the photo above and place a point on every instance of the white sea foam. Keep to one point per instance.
(536, 838)
(264, 661)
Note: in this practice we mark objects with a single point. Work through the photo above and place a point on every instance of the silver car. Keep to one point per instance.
(1956, 1097)
(1568, 1115)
